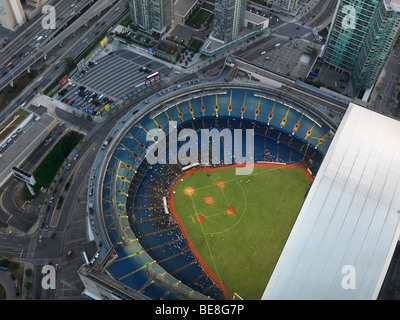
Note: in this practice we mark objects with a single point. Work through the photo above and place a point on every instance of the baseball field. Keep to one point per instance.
(238, 225)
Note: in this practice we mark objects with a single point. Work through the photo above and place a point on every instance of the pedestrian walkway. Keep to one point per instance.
(51, 104)
(12, 231)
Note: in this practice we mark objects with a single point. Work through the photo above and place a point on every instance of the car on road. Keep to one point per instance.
(60, 133)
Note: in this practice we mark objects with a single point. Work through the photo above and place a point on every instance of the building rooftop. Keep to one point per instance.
(182, 7)
(255, 18)
(212, 45)
(349, 221)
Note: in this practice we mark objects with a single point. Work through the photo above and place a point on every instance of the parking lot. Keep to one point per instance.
(292, 58)
(332, 78)
(110, 80)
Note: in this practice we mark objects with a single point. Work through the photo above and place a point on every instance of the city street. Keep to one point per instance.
(38, 49)
(73, 48)
(384, 96)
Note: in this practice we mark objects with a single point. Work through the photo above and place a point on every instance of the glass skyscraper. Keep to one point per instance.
(361, 37)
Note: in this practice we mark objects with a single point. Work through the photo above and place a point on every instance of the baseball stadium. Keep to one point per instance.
(201, 231)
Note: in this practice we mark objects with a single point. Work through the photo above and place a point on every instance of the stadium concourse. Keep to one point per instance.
(137, 249)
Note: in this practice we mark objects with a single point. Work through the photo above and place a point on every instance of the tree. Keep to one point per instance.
(314, 53)
(70, 62)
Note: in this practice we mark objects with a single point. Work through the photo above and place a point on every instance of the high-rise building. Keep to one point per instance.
(361, 37)
(228, 19)
(12, 15)
(152, 15)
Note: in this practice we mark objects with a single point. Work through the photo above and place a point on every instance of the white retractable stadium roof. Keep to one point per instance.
(348, 226)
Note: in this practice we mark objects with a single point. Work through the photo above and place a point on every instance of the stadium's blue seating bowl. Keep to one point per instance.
(152, 243)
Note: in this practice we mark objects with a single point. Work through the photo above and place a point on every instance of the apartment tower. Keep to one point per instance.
(362, 36)
(228, 19)
(152, 15)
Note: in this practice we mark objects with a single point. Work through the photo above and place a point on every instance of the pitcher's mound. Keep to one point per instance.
(231, 210)
(200, 219)
(208, 200)
(220, 184)
(189, 191)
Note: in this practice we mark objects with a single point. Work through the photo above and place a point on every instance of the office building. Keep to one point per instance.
(362, 35)
(12, 15)
(152, 15)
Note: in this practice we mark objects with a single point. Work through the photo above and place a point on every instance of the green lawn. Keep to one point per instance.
(201, 16)
(198, 17)
(47, 169)
(241, 249)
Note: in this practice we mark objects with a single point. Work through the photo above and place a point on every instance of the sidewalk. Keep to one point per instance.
(51, 104)
(9, 284)
(13, 232)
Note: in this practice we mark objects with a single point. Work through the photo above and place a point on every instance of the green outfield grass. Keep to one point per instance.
(241, 249)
